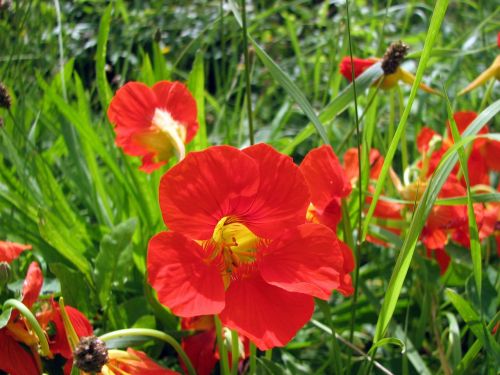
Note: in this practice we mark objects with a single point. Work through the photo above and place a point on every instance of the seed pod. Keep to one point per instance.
(394, 56)
(90, 354)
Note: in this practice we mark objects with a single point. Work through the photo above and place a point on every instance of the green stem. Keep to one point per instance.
(21, 307)
(155, 334)
(253, 359)
(235, 352)
(269, 354)
(360, 192)
(247, 71)
(404, 143)
(224, 363)
(335, 358)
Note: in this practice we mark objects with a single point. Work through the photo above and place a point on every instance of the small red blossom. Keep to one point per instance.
(11, 250)
(155, 122)
(388, 80)
(238, 244)
(133, 362)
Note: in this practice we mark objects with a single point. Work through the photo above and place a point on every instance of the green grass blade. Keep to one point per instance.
(475, 245)
(103, 88)
(196, 84)
(432, 33)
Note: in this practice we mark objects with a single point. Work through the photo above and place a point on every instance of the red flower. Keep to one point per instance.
(14, 359)
(388, 80)
(11, 250)
(238, 245)
(153, 123)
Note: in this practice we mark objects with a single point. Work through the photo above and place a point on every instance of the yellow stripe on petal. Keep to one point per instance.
(409, 78)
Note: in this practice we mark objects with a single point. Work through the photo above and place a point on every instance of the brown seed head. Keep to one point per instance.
(394, 56)
(90, 354)
(5, 101)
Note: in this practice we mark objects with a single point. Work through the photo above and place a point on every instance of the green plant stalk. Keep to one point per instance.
(247, 72)
(235, 352)
(154, 334)
(487, 95)
(360, 191)
(335, 358)
(21, 307)
(404, 142)
(224, 363)
(253, 359)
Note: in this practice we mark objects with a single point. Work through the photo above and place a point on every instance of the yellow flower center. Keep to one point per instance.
(167, 136)
(235, 243)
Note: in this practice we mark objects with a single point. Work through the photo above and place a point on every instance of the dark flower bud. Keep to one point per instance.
(394, 56)
(4, 273)
(5, 101)
(90, 354)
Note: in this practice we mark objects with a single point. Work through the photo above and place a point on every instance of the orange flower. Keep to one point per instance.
(154, 123)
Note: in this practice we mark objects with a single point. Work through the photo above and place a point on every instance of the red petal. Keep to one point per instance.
(183, 278)
(306, 259)
(424, 137)
(478, 168)
(175, 98)
(331, 215)
(346, 287)
(269, 316)
(325, 176)
(283, 196)
(433, 238)
(59, 343)
(142, 366)
(351, 164)
(491, 150)
(14, 359)
(132, 108)
(360, 65)
(441, 257)
(11, 250)
(32, 284)
(201, 350)
(206, 186)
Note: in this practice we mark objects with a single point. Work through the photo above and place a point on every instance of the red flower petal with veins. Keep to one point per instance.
(316, 272)
(140, 365)
(11, 250)
(282, 198)
(325, 176)
(206, 186)
(14, 359)
(269, 316)
(185, 280)
(424, 137)
(360, 65)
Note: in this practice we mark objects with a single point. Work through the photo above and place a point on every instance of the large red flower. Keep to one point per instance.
(133, 362)
(238, 244)
(155, 122)
(11, 250)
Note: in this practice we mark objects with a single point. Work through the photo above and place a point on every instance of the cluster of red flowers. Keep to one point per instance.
(19, 353)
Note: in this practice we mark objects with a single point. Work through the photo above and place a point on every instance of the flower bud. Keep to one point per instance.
(90, 354)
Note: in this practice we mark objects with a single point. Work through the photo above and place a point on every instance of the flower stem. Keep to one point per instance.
(253, 359)
(235, 352)
(224, 363)
(21, 307)
(247, 71)
(155, 334)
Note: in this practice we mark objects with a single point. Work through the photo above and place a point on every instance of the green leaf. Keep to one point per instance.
(388, 341)
(476, 325)
(74, 289)
(65, 240)
(5, 317)
(103, 88)
(112, 246)
(432, 33)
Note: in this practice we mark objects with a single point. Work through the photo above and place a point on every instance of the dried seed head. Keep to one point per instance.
(5, 273)
(90, 354)
(394, 56)
(5, 101)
